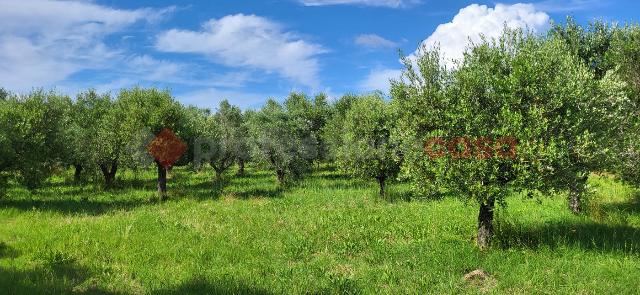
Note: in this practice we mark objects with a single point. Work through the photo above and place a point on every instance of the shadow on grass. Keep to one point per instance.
(589, 236)
(204, 286)
(259, 192)
(631, 207)
(7, 251)
(204, 190)
(71, 206)
(399, 196)
(57, 278)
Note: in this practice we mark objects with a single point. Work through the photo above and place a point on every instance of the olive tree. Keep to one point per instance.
(625, 75)
(367, 149)
(195, 127)
(332, 131)
(31, 136)
(86, 119)
(517, 114)
(601, 120)
(282, 139)
(225, 138)
(110, 135)
(153, 110)
(244, 149)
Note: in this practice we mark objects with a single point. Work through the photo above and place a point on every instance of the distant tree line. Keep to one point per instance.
(569, 99)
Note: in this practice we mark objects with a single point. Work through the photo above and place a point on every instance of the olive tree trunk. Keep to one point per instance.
(77, 173)
(109, 173)
(576, 190)
(280, 174)
(162, 182)
(381, 183)
(485, 223)
(240, 167)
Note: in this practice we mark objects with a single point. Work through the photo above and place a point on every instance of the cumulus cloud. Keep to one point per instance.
(380, 79)
(43, 42)
(248, 41)
(378, 3)
(476, 20)
(374, 41)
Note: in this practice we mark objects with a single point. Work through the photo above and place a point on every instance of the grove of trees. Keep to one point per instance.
(521, 113)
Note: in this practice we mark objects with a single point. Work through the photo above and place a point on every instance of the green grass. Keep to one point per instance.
(327, 234)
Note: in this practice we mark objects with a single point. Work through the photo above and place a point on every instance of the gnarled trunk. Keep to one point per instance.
(109, 173)
(162, 182)
(485, 223)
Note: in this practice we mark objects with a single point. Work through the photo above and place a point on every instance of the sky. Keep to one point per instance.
(249, 51)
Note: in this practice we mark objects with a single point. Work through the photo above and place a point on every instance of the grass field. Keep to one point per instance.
(326, 234)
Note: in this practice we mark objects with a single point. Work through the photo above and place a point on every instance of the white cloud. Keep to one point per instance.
(380, 79)
(374, 41)
(42, 42)
(248, 41)
(378, 3)
(475, 20)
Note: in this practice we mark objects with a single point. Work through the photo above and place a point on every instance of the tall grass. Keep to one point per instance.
(327, 234)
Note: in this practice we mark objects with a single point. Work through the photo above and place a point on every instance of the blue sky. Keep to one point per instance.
(248, 51)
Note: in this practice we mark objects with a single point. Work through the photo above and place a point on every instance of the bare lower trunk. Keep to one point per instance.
(280, 175)
(240, 168)
(381, 183)
(576, 190)
(485, 223)
(574, 201)
(109, 173)
(162, 182)
(77, 173)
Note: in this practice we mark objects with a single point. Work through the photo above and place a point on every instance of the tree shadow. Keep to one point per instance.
(259, 192)
(204, 190)
(7, 251)
(341, 183)
(630, 207)
(72, 206)
(204, 286)
(588, 235)
(56, 277)
(128, 183)
(395, 195)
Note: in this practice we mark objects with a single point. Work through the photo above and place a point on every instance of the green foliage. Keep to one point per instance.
(625, 55)
(194, 127)
(332, 132)
(86, 130)
(367, 149)
(590, 44)
(4, 94)
(282, 137)
(227, 137)
(320, 112)
(524, 88)
(30, 140)
(146, 112)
